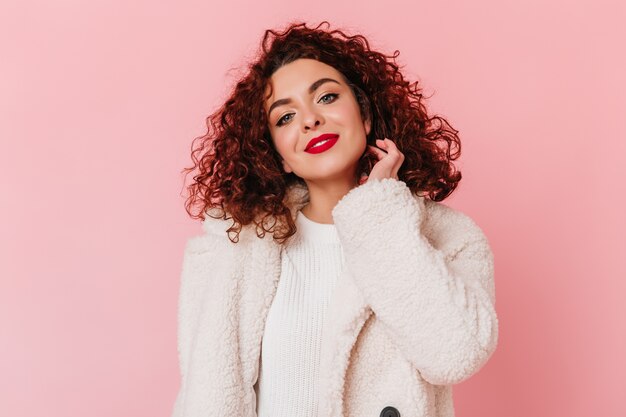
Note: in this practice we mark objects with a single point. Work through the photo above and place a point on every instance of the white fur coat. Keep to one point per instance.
(413, 313)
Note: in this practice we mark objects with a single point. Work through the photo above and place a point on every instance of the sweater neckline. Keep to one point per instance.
(314, 231)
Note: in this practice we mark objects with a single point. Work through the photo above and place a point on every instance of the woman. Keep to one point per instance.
(368, 299)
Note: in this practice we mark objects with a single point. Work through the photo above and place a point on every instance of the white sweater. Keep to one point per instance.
(290, 350)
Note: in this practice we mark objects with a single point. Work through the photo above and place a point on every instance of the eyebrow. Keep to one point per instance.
(312, 88)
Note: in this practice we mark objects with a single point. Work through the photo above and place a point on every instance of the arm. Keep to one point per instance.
(437, 305)
(193, 280)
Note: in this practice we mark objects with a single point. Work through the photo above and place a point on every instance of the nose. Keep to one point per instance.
(310, 120)
(307, 126)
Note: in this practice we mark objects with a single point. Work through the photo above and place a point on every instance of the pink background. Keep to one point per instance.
(100, 102)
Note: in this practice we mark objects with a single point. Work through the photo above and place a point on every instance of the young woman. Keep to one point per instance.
(369, 297)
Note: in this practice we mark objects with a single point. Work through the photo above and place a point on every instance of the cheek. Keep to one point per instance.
(345, 115)
(283, 142)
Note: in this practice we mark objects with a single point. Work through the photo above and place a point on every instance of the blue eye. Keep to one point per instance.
(329, 94)
(334, 95)
(280, 121)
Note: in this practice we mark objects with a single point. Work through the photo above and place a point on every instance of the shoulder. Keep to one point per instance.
(450, 228)
(199, 244)
(216, 235)
(213, 238)
(208, 255)
(445, 219)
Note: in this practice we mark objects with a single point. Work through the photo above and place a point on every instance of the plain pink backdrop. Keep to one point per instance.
(100, 102)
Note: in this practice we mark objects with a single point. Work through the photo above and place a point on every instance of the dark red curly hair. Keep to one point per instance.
(239, 170)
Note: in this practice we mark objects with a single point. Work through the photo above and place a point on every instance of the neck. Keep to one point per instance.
(323, 197)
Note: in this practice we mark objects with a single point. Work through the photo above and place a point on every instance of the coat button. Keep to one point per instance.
(389, 411)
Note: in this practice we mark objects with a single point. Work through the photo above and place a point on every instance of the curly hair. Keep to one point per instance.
(239, 170)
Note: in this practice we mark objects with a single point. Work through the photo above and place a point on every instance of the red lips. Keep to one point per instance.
(320, 138)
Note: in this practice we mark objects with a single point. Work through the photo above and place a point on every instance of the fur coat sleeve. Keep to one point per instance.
(439, 309)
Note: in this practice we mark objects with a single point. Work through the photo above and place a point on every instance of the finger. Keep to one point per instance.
(391, 145)
(377, 152)
(393, 149)
(398, 164)
(399, 156)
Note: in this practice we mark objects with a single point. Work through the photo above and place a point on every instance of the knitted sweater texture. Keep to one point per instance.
(290, 353)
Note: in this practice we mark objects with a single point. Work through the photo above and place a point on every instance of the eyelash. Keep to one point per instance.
(280, 121)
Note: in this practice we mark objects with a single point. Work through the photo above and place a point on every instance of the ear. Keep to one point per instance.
(286, 167)
(367, 124)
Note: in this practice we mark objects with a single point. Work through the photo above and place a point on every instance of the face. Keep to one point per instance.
(302, 107)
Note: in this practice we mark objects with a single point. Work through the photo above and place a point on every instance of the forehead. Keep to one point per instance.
(296, 77)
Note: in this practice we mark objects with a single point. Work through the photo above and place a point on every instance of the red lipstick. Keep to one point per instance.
(329, 138)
